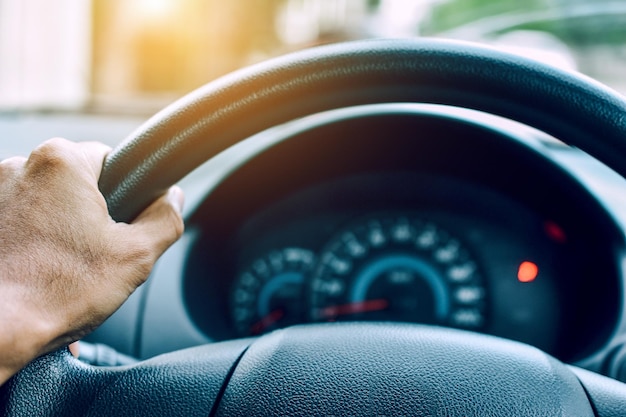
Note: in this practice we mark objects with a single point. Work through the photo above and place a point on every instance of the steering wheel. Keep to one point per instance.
(358, 368)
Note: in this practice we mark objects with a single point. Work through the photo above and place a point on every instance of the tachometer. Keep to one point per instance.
(398, 268)
(269, 293)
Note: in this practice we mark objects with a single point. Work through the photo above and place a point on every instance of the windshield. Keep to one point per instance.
(133, 57)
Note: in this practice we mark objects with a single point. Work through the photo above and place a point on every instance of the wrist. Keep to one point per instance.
(23, 335)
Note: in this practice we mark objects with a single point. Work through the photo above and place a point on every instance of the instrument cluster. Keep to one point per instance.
(384, 267)
(468, 259)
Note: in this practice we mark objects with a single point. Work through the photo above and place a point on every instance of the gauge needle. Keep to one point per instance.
(267, 321)
(354, 308)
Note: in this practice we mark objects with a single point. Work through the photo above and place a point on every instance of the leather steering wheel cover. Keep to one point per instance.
(385, 369)
(566, 105)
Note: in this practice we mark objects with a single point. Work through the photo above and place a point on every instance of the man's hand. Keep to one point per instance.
(65, 265)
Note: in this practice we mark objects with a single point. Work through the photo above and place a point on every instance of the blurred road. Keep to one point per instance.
(20, 133)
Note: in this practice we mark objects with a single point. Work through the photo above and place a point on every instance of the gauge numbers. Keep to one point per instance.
(383, 268)
(398, 268)
(269, 293)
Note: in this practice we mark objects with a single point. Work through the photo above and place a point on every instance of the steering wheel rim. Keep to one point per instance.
(573, 108)
(199, 126)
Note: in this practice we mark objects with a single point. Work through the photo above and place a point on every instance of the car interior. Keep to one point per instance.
(398, 225)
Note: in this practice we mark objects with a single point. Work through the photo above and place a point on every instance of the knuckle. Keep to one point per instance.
(53, 153)
(57, 142)
(10, 172)
(12, 164)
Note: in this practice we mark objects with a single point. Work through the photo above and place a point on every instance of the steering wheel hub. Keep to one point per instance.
(398, 369)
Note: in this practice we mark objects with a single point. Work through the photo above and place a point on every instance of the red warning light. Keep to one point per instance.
(527, 272)
(555, 232)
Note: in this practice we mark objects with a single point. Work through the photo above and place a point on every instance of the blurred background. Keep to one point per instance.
(132, 57)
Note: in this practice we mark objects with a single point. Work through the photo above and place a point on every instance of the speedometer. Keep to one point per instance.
(398, 268)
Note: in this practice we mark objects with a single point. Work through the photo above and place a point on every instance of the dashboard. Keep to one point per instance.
(411, 213)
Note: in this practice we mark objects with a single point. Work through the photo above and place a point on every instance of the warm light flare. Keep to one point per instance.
(155, 9)
(527, 272)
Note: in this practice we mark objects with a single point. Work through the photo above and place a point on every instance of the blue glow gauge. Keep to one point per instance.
(269, 293)
(398, 268)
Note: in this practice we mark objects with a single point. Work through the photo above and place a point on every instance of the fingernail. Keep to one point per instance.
(75, 349)
(176, 198)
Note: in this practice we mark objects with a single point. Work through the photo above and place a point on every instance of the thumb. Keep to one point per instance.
(161, 223)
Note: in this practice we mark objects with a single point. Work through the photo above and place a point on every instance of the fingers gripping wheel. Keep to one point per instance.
(406, 369)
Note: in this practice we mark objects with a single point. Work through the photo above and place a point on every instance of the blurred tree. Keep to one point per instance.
(577, 22)
(450, 14)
